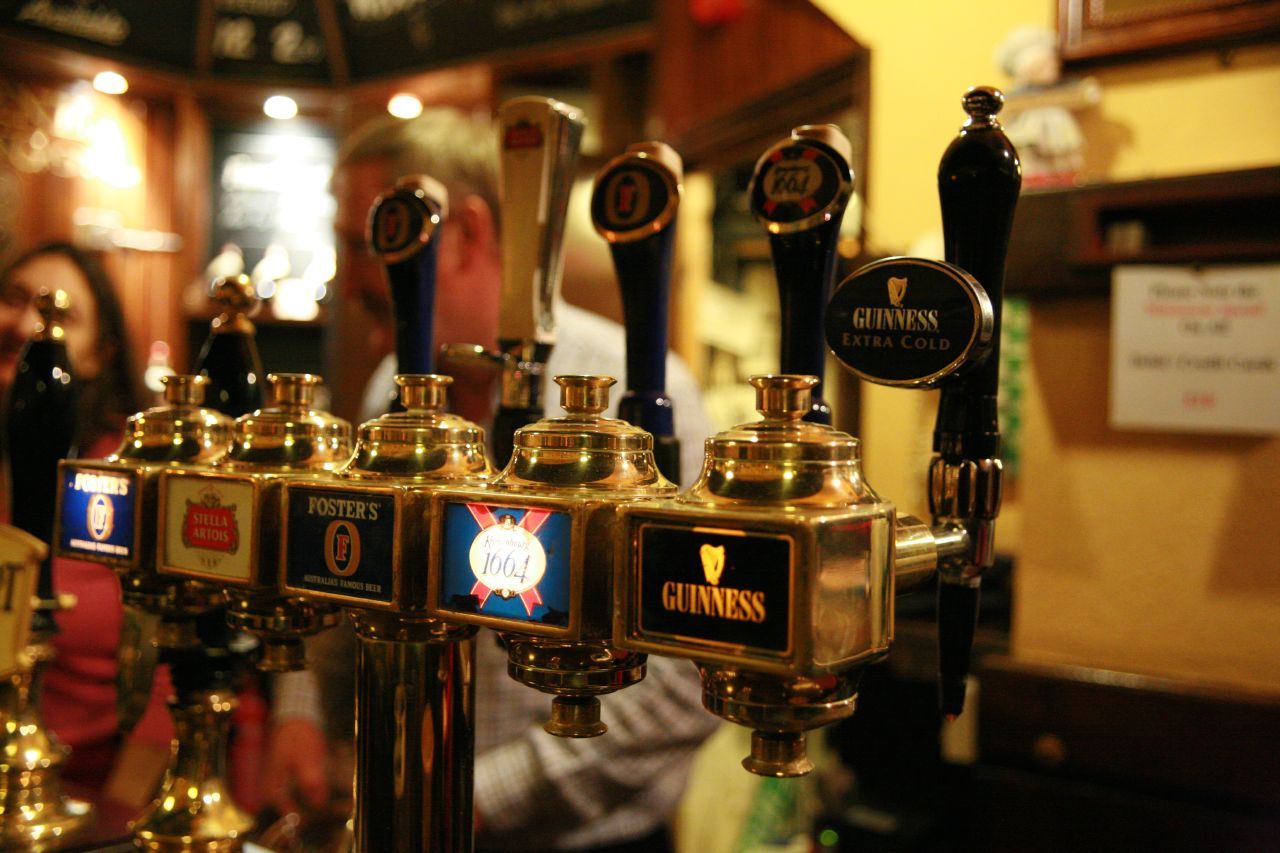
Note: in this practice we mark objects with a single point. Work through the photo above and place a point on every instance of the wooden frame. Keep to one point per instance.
(1095, 31)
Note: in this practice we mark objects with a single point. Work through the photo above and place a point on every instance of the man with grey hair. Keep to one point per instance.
(533, 791)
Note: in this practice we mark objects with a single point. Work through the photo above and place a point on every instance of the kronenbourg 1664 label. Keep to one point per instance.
(208, 527)
(506, 562)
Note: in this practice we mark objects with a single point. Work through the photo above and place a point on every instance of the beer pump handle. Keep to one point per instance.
(229, 358)
(538, 141)
(402, 224)
(978, 183)
(41, 431)
(799, 191)
(634, 205)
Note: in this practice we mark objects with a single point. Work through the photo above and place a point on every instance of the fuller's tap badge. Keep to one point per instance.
(97, 514)
(718, 586)
(799, 183)
(506, 562)
(403, 219)
(909, 321)
(341, 542)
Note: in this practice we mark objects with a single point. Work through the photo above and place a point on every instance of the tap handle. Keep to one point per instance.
(41, 431)
(978, 183)
(634, 206)
(539, 140)
(799, 191)
(229, 358)
(402, 225)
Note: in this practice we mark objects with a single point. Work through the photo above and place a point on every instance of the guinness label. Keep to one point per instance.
(403, 219)
(798, 184)
(909, 321)
(341, 542)
(98, 514)
(633, 198)
(506, 562)
(716, 586)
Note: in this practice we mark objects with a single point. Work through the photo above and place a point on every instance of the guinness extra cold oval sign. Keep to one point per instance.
(909, 321)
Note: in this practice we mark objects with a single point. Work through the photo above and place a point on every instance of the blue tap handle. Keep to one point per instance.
(634, 205)
(799, 192)
(402, 225)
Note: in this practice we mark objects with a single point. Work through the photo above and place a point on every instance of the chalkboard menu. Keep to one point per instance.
(288, 41)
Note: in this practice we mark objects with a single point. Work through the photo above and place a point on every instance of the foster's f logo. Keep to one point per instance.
(341, 548)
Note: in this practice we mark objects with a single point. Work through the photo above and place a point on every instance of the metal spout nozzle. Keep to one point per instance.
(778, 754)
(575, 716)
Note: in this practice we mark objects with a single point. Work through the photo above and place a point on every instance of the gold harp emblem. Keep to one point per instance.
(897, 290)
(712, 562)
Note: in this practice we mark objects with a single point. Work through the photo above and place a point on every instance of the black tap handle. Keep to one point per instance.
(978, 183)
(799, 191)
(41, 431)
(634, 206)
(402, 224)
(229, 358)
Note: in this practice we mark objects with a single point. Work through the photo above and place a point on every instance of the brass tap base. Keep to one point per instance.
(281, 622)
(194, 810)
(34, 814)
(575, 673)
(575, 716)
(778, 754)
(780, 709)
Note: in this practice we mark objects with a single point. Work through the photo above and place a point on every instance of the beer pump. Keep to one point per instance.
(34, 813)
(775, 572)
(222, 526)
(107, 514)
(633, 206)
(359, 541)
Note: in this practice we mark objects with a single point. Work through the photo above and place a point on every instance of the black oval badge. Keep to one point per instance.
(404, 218)
(634, 196)
(909, 321)
(797, 184)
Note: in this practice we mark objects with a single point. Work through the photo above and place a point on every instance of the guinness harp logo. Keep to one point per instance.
(897, 290)
(101, 517)
(712, 563)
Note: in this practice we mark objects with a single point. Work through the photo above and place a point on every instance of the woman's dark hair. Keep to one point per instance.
(114, 394)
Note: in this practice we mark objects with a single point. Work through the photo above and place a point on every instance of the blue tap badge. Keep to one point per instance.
(341, 543)
(506, 562)
(97, 520)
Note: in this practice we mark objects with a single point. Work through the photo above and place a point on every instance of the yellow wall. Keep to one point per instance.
(1141, 552)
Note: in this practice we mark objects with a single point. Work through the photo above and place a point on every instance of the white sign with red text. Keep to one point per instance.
(1196, 349)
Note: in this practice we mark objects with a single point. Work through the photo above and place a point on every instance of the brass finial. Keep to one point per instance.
(584, 395)
(237, 301)
(293, 389)
(783, 396)
(983, 103)
(184, 389)
(423, 391)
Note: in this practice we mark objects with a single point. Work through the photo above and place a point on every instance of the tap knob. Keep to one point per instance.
(539, 140)
(293, 390)
(978, 183)
(586, 396)
(184, 389)
(634, 206)
(784, 397)
(423, 392)
(799, 191)
(402, 224)
(229, 357)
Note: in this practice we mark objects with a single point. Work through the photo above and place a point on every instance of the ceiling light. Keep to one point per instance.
(280, 106)
(110, 83)
(404, 105)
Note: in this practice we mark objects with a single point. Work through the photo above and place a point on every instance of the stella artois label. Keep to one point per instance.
(208, 527)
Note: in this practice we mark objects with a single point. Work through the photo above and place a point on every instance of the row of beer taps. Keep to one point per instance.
(775, 572)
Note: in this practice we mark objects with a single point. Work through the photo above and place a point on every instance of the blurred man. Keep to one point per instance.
(532, 790)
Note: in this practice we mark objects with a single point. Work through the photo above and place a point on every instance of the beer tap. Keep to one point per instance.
(634, 205)
(229, 358)
(530, 555)
(359, 541)
(538, 151)
(799, 191)
(776, 570)
(34, 813)
(107, 514)
(222, 526)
